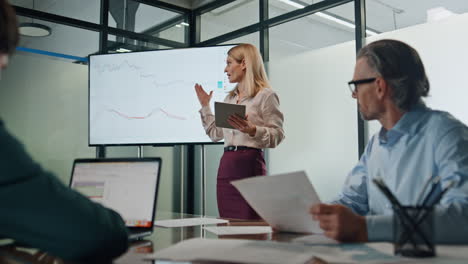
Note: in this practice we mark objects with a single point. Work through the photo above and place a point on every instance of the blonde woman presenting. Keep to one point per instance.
(261, 128)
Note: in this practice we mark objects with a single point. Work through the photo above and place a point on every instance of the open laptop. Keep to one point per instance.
(129, 186)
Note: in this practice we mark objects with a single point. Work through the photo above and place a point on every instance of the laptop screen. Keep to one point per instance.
(128, 186)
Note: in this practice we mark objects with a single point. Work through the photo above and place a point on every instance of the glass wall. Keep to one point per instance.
(125, 44)
(88, 9)
(62, 39)
(177, 32)
(137, 17)
(251, 38)
(384, 16)
(309, 72)
(311, 58)
(280, 7)
(227, 18)
(323, 29)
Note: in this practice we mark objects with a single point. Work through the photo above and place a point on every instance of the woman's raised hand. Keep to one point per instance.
(203, 97)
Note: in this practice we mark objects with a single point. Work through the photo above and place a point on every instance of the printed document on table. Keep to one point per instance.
(189, 222)
(282, 200)
(238, 230)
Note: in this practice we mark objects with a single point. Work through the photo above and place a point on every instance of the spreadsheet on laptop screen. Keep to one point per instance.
(126, 187)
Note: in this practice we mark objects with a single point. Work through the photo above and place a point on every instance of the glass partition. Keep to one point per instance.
(227, 18)
(323, 29)
(87, 10)
(63, 39)
(386, 16)
(280, 7)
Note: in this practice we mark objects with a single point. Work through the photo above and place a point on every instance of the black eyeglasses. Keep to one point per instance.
(353, 84)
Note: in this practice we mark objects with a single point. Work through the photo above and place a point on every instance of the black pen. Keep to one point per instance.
(420, 217)
(400, 211)
(386, 191)
(442, 193)
(434, 188)
(433, 180)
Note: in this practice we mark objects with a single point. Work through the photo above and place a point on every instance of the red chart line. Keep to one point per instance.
(148, 115)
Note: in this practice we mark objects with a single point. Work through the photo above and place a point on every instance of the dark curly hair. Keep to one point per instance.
(9, 36)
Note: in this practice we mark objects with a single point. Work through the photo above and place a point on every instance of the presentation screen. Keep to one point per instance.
(149, 97)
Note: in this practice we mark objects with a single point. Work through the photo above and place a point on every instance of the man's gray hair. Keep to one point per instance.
(402, 68)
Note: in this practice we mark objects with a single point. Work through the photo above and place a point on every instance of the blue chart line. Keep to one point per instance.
(156, 110)
(114, 68)
(152, 78)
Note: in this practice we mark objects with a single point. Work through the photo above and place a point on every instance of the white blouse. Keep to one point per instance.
(262, 110)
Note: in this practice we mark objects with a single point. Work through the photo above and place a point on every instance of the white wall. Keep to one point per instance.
(320, 116)
(44, 103)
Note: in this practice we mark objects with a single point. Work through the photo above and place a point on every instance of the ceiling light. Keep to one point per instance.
(438, 13)
(330, 17)
(122, 50)
(292, 3)
(178, 25)
(184, 24)
(33, 29)
(344, 23)
(336, 20)
(371, 32)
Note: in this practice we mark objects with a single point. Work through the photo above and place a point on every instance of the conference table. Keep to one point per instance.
(163, 238)
(160, 239)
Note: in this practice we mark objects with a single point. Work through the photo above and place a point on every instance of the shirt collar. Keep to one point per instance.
(236, 95)
(409, 123)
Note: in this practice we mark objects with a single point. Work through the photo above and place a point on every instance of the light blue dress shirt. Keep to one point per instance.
(424, 143)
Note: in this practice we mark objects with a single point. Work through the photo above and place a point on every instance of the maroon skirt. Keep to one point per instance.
(236, 165)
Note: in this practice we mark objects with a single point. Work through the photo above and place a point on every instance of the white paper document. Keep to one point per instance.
(238, 230)
(189, 222)
(282, 200)
(235, 250)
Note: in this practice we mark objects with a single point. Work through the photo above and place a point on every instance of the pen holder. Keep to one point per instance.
(413, 231)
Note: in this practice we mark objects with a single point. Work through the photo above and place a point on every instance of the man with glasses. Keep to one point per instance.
(414, 145)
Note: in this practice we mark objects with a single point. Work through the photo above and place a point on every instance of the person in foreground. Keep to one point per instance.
(414, 144)
(37, 209)
(262, 128)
